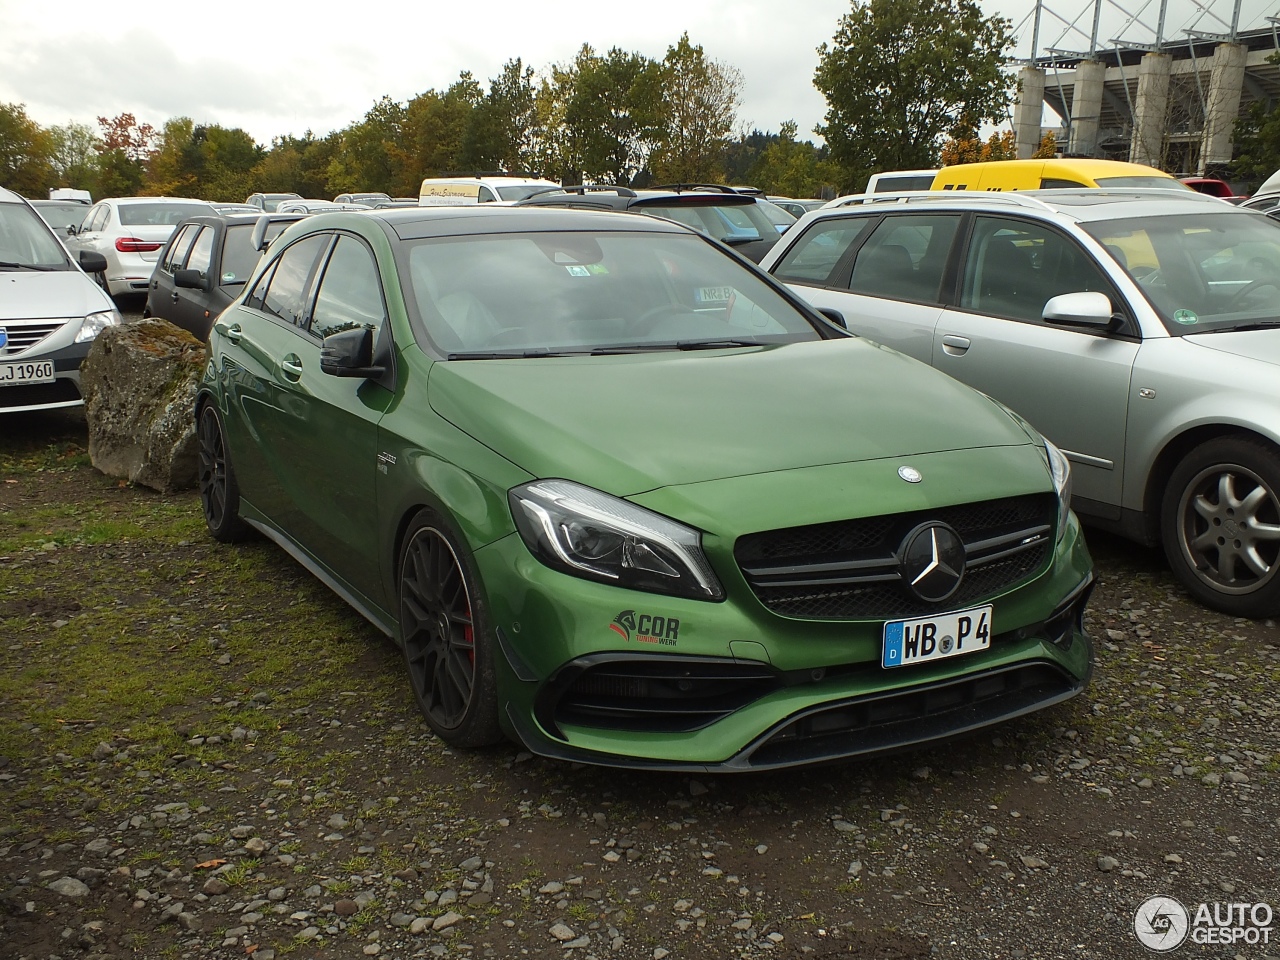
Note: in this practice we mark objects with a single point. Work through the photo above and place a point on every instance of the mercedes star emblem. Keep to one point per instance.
(931, 561)
(910, 474)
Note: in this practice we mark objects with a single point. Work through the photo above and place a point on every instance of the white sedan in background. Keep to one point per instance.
(129, 232)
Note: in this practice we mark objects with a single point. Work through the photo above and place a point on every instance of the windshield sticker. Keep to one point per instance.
(228, 277)
(578, 271)
(1186, 316)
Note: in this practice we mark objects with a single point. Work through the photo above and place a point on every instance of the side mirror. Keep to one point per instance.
(71, 229)
(188, 278)
(835, 316)
(91, 262)
(1083, 309)
(349, 353)
(258, 239)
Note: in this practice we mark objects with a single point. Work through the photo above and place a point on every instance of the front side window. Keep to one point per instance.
(286, 292)
(201, 256)
(1014, 267)
(486, 195)
(815, 256)
(905, 257)
(350, 293)
(581, 292)
(1206, 271)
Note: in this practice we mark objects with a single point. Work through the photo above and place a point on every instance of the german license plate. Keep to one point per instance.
(714, 294)
(37, 371)
(936, 638)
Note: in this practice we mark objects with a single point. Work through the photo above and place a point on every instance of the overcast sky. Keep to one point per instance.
(282, 66)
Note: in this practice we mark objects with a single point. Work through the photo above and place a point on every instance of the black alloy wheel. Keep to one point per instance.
(1221, 525)
(219, 491)
(443, 633)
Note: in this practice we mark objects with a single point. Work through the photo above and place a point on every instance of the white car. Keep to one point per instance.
(129, 232)
(50, 312)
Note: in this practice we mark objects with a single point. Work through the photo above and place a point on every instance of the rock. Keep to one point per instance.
(139, 382)
(562, 932)
(1033, 863)
(69, 887)
(1107, 864)
(346, 908)
(471, 864)
(215, 887)
(855, 868)
(446, 919)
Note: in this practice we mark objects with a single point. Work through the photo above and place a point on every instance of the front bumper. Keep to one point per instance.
(63, 392)
(732, 687)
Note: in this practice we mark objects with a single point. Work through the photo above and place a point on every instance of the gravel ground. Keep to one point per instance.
(244, 800)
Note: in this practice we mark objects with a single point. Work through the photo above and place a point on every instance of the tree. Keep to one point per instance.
(902, 74)
(788, 167)
(366, 156)
(122, 155)
(74, 154)
(503, 133)
(25, 152)
(435, 126)
(1257, 139)
(1001, 145)
(613, 113)
(700, 100)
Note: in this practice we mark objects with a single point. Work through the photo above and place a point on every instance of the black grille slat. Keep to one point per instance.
(848, 570)
(33, 394)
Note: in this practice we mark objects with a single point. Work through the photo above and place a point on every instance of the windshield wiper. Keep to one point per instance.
(510, 354)
(1240, 328)
(9, 265)
(662, 345)
(715, 344)
(735, 241)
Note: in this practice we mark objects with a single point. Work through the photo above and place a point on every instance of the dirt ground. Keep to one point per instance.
(203, 753)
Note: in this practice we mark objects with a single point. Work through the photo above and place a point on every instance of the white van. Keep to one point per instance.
(892, 181)
(459, 191)
(70, 193)
(50, 312)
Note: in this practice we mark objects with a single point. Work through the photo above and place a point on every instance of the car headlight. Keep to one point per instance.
(95, 323)
(589, 534)
(1060, 470)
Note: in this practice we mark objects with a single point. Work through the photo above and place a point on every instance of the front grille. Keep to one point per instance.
(848, 569)
(62, 390)
(890, 721)
(22, 335)
(660, 694)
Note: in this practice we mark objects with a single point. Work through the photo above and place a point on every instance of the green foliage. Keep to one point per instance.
(25, 152)
(700, 101)
(790, 168)
(1257, 140)
(74, 155)
(902, 74)
(613, 115)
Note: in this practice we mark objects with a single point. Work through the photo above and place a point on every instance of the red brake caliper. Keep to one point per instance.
(469, 636)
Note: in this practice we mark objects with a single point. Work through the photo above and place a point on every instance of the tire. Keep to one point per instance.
(445, 635)
(1220, 523)
(219, 491)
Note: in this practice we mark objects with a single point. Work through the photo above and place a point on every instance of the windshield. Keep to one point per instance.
(539, 293)
(61, 215)
(26, 242)
(1166, 183)
(238, 256)
(1202, 272)
(732, 223)
(526, 190)
(159, 214)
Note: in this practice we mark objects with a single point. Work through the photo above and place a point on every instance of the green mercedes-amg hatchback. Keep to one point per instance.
(623, 498)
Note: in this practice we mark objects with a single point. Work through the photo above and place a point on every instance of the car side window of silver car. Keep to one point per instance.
(904, 259)
(815, 257)
(1013, 267)
(350, 294)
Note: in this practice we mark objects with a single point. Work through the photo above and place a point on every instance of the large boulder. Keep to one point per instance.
(139, 383)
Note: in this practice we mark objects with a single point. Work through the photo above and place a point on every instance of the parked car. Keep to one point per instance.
(232, 208)
(129, 232)
(62, 215)
(368, 199)
(718, 211)
(205, 265)
(498, 188)
(775, 213)
(267, 202)
(50, 311)
(895, 181)
(316, 206)
(1053, 173)
(1137, 329)
(71, 193)
(1214, 188)
(797, 208)
(608, 517)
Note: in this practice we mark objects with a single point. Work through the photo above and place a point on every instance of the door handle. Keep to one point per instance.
(175, 296)
(232, 333)
(954, 346)
(292, 366)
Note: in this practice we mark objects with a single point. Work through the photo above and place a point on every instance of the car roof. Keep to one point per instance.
(1084, 204)
(416, 223)
(8, 196)
(620, 198)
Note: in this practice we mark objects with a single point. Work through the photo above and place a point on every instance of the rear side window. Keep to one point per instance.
(815, 256)
(286, 292)
(905, 258)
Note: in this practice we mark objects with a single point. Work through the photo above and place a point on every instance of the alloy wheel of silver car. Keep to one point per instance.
(1222, 526)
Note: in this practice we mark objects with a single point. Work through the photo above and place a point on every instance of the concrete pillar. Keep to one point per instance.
(1028, 111)
(1086, 108)
(1151, 109)
(1226, 81)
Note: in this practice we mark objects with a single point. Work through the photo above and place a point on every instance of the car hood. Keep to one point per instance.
(1261, 345)
(32, 295)
(627, 424)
